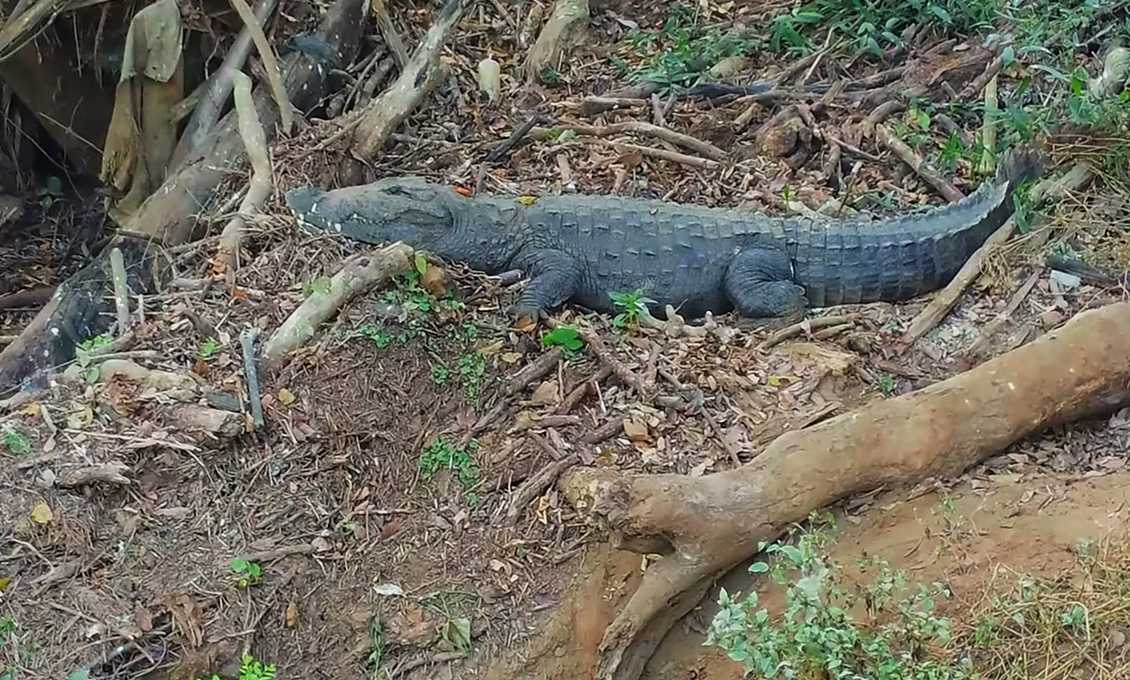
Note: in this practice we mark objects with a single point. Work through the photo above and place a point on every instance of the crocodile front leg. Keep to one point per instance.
(759, 283)
(554, 276)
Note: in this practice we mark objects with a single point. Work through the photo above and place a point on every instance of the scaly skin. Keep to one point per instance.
(580, 248)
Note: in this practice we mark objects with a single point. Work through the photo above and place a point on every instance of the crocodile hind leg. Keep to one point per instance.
(554, 276)
(759, 283)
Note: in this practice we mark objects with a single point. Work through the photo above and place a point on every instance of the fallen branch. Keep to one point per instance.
(946, 298)
(993, 327)
(251, 372)
(806, 326)
(663, 154)
(420, 76)
(270, 64)
(706, 526)
(918, 164)
(637, 127)
(110, 473)
(537, 485)
(214, 93)
(262, 178)
(357, 275)
(121, 289)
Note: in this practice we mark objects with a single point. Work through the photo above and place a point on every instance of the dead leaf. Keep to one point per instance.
(434, 280)
(545, 394)
(31, 409)
(511, 357)
(188, 618)
(41, 513)
(286, 397)
(143, 619)
(79, 419)
(5, 581)
(290, 618)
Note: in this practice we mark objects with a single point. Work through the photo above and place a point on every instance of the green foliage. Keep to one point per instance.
(96, 342)
(633, 304)
(7, 627)
(565, 337)
(441, 373)
(873, 25)
(441, 454)
(16, 442)
(472, 367)
(252, 669)
(887, 384)
(378, 334)
(208, 348)
(816, 636)
(377, 647)
(320, 284)
(686, 49)
(247, 573)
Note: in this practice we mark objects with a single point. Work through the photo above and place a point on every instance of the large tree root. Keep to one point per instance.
(703, 527)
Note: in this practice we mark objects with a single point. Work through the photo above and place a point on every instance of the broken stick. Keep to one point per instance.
(945, 299)
(262, 177)
(358, 274)
(918, 164)
(420, 76)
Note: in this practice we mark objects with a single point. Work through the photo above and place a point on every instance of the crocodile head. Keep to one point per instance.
(424, 215)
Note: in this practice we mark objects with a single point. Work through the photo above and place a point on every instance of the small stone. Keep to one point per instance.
(1051, 318)
(545, 394)
(1067, 281)
(636, 430)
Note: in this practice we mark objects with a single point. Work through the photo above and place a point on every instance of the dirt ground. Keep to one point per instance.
(387, 526)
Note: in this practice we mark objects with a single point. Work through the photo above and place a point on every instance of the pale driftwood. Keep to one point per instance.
(262, 178)
(357, 275)
(565, 25)
(946, 298)
(209, 422)
(110, 473)
(213, 94)
(270, 64)
(637, 127)
(705, 526)
(420, 76)
(121, 289)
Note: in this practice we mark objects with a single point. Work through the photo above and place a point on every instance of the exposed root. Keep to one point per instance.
(706, 526)
(565, 25)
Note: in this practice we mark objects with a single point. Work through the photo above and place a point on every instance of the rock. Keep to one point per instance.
(636, 430)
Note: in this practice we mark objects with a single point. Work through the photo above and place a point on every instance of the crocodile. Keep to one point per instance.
(582, 248)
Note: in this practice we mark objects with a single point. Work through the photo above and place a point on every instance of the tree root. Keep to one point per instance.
(703, 527)
(568, 20)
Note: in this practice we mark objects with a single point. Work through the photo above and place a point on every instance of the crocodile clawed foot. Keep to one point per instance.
(769, 323)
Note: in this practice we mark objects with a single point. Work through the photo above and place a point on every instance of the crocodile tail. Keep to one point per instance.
(1019, 165)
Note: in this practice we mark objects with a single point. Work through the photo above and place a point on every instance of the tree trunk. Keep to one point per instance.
(706, 526)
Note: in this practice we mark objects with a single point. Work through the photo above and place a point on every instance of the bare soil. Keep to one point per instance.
(368, 561)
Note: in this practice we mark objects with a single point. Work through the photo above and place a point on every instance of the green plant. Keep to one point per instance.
(320, 284)
(633, 304)
(565, 337)
(816, 636)
(247, 573)
(252, 669)
(472, 367)
(442, 455)
(686, 49)
(96, 342)
(7, 627)
(380, 337)
(208, 348)
(952, 152)
(441, 374)
(16, 442)
(551, 76)
(377, 644)
(887, 384)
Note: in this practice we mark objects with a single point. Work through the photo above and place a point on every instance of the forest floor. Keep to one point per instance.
(370, 530)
